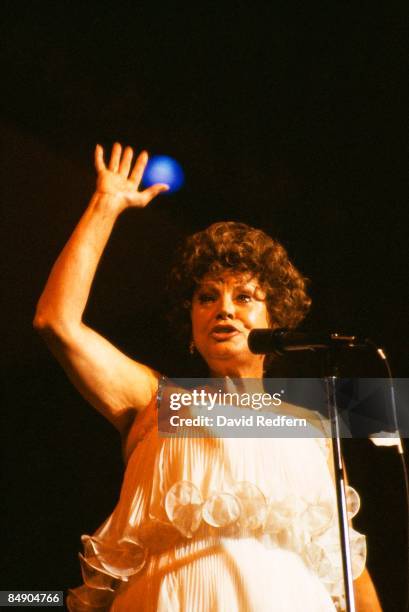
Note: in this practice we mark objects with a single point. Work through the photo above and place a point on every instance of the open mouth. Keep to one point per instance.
(224, 332)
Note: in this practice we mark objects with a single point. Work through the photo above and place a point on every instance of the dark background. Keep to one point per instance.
(288, 118)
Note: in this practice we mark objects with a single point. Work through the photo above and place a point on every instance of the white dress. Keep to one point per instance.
(219, 525)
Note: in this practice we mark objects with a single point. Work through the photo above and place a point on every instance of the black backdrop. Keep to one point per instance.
(289, 119)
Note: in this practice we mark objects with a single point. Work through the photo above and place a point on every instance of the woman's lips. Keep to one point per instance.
(224, 332)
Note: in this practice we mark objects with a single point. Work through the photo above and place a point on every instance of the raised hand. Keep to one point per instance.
(121, 181)
(112, 382)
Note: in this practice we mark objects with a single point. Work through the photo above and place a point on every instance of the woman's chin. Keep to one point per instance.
(232, 354)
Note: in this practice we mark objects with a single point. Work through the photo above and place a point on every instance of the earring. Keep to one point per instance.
(192, 347)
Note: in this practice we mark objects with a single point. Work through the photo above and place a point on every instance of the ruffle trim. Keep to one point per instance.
(309, 529)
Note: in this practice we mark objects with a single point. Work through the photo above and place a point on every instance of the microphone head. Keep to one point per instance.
(264, 341)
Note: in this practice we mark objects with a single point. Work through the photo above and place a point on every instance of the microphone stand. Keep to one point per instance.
(331, 380)
(279, 341)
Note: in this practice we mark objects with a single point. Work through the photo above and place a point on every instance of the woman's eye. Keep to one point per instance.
(244, 297)
(204, 298)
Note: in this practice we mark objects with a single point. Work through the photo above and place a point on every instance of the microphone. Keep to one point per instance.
(280, 341)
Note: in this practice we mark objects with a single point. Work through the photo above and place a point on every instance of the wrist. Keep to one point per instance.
(108, 203)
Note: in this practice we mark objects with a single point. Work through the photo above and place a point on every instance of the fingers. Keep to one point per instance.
(125, 163)
(121, 163)
(139, 168)
(99, 158)
(150, 193)
(115, 157)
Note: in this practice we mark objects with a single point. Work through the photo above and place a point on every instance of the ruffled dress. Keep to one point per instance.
(219, 524)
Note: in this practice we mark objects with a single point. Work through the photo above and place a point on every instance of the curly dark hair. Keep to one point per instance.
(237, 247)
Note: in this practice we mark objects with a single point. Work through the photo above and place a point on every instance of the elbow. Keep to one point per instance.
(40, 322)
(49, 326)
(44, 325)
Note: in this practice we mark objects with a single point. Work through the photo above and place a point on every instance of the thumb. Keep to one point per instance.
(151, 192)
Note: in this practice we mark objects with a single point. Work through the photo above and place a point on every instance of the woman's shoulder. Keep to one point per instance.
(143, 422)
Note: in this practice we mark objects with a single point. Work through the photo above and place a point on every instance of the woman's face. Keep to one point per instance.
(224, 311)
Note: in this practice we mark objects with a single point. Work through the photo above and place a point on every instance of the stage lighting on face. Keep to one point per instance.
(163, 169)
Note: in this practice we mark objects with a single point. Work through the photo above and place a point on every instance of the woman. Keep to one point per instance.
(201, 524)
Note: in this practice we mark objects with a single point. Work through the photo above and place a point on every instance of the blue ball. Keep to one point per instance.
(163, 169)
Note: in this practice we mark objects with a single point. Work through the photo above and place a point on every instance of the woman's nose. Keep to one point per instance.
(225, 308)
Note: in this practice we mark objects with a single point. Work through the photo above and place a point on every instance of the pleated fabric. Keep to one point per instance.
(205, 524)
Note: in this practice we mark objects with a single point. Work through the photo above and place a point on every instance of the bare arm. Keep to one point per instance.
(113, 383)
(366, 598)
